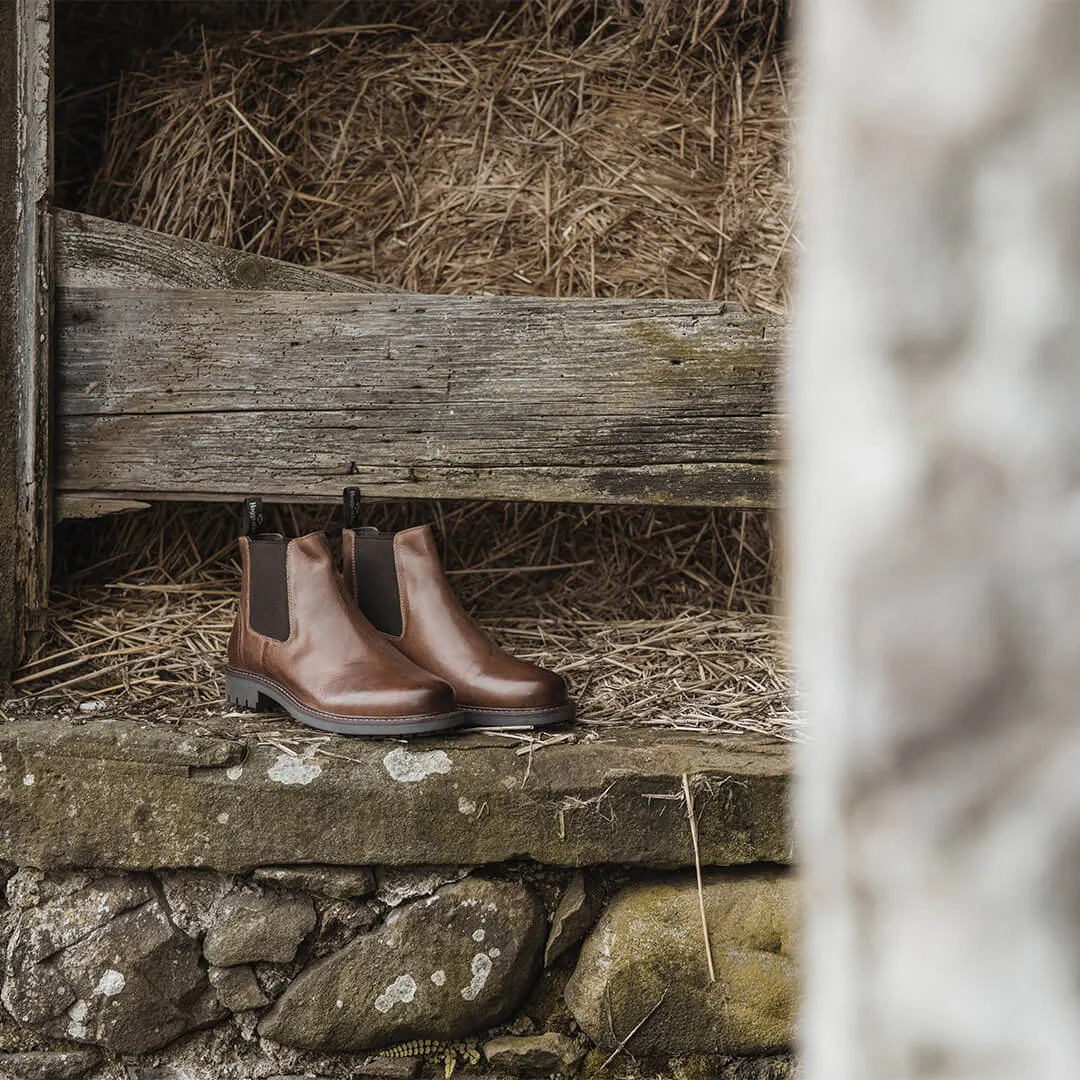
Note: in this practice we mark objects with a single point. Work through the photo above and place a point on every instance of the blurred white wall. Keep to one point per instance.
(935, 536)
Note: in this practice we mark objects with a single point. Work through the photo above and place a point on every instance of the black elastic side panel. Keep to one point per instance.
(376, 581)
(269, 593)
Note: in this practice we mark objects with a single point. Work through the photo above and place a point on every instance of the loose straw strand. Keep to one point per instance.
(690, 816)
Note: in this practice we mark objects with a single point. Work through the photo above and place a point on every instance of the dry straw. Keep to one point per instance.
(559, 147)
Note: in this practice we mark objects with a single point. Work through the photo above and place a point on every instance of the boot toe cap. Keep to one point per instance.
(526, 687)
(393, 699)
(434, 697)
(424, 699)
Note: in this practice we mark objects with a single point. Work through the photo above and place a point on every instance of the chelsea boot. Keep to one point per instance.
(398, 583)
(301, 644)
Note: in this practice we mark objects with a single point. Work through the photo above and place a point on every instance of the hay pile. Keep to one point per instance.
(656, 617)
(554, 147)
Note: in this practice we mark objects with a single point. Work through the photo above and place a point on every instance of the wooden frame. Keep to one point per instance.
(189, 371)
(25, 335)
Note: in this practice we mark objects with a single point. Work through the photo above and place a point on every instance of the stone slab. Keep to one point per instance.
(118, 740)
(77, 795)
(45, 1065)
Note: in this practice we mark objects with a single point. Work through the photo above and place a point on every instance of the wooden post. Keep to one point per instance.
(25, 179)
(935, 395)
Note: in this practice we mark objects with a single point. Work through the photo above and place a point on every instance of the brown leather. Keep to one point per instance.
(333, 660)
(438, 635)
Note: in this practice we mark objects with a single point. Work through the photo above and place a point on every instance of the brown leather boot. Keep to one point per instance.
(300, 644)
(399, 585)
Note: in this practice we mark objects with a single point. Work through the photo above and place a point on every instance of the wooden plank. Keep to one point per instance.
(95, 252)
(209, 394)
(25, 247)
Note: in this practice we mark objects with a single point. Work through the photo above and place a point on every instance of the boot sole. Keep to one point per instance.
(519, 718)
(262, 695)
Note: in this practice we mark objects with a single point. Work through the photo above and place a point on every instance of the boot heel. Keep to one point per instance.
(245, 693)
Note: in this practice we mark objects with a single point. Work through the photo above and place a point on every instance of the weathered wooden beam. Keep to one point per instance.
(95, 252)
(25, 184)
(209, 394)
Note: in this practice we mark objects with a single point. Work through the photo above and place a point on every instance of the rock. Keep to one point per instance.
(783, 1067)
(647, 952)
(14, 1038)
(545, 1054)
(48, 1066)
(339, 922)
(103, 964)
(247, 1024)
(334, 882)
(250, 927)
(225, 1052)
(125, 741)
(193, 896)
(387, 1068)
(274, 978)
(577, 911)
(237, 988)
(400, 883)
(375, 1068)
(786, 1067)
(705, 1067)
(443, 967)
(29, 888)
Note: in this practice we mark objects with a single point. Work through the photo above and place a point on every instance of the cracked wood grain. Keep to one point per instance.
(207, 393)
(25, 324)
(93, 251)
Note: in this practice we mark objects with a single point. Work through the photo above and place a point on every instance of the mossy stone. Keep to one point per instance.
(645, 963)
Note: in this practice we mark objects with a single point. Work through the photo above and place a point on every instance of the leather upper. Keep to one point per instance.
(333, 660)
(439, 636)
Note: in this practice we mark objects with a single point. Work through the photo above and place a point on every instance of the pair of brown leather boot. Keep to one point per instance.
(386, 651)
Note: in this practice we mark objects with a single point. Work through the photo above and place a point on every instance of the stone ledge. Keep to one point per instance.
(138, 797)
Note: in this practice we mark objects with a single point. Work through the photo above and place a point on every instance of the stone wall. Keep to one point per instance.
(504, 967)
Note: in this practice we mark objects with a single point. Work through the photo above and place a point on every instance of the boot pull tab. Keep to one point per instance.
(254, 520)
(351, 501)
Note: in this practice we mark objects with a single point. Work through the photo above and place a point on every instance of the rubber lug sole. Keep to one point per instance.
(262, 695)
(519, 718)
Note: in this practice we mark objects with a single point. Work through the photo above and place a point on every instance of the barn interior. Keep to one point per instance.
(565, 148)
